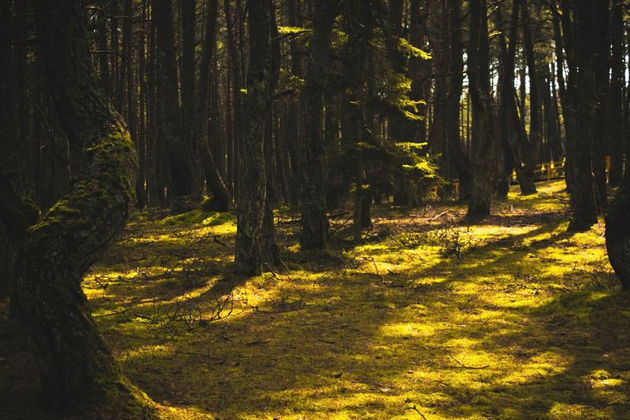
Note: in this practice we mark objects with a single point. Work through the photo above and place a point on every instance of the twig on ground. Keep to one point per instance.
(465, 366)
(220, 242)
(439, 215)
(414, 408)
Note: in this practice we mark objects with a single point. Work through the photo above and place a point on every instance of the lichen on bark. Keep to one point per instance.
(79, 375)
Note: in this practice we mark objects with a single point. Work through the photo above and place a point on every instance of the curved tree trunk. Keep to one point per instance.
(79, 374)
(618, 233)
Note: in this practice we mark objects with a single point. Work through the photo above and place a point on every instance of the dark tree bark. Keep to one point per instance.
(251, 247)
(359, 22)
(451, 111)
(103, 66)
(483, 112)
(220, 200)
(271, 250)
(16, 213)
(399, 127)
(235, 73)
(294, 129)
(618, 226)
(529, 145)
(141, 139)
(615, 102)
(513, 138)
(78, 372)
(188, 91)
(180, 154)
(579, 36)
(554, 139)
(314, 223)
(601, 146)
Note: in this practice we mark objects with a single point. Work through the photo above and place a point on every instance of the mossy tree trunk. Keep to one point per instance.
(78, 372)
(252, 248)
(314, 223)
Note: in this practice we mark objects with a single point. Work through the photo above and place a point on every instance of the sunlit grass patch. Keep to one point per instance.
(512, 318)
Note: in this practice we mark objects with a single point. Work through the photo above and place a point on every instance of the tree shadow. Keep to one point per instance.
(341, 341)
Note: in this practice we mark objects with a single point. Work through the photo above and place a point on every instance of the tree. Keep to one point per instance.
(357, 117)
(16, 212)
(618, 231)
(615, 103)
(181, 159)
(314, 223)
(448, 51)
(220, 200)
(579, 21)
(516, 146)
(252, 250)
(78, 373)
(483, 112)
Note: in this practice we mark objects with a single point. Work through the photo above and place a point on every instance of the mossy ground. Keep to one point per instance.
(426, 318)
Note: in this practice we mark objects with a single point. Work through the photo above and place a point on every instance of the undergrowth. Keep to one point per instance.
(426, 318)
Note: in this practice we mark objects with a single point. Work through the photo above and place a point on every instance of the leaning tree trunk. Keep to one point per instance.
(78, 372)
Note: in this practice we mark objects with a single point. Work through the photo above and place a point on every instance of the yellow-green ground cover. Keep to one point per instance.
(425, 318)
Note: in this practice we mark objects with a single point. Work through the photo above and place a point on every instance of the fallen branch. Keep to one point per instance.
(414, 408)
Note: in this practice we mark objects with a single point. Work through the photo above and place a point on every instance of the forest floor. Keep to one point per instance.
(425, 318)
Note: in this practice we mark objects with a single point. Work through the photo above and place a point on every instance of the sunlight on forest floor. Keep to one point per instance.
(426, 318)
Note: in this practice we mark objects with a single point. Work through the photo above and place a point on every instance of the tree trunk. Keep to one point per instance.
(220, 200)
(78, 372)
(16, 212)
(483, 113)
(601, 72)
(618, 230)
(360, 21)
(579, 110)
(511, 130)
(529, 145)
(234, 71)
(251, 195)
(314, 223)
(180, 155)
(615, 102)
(455, 81)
